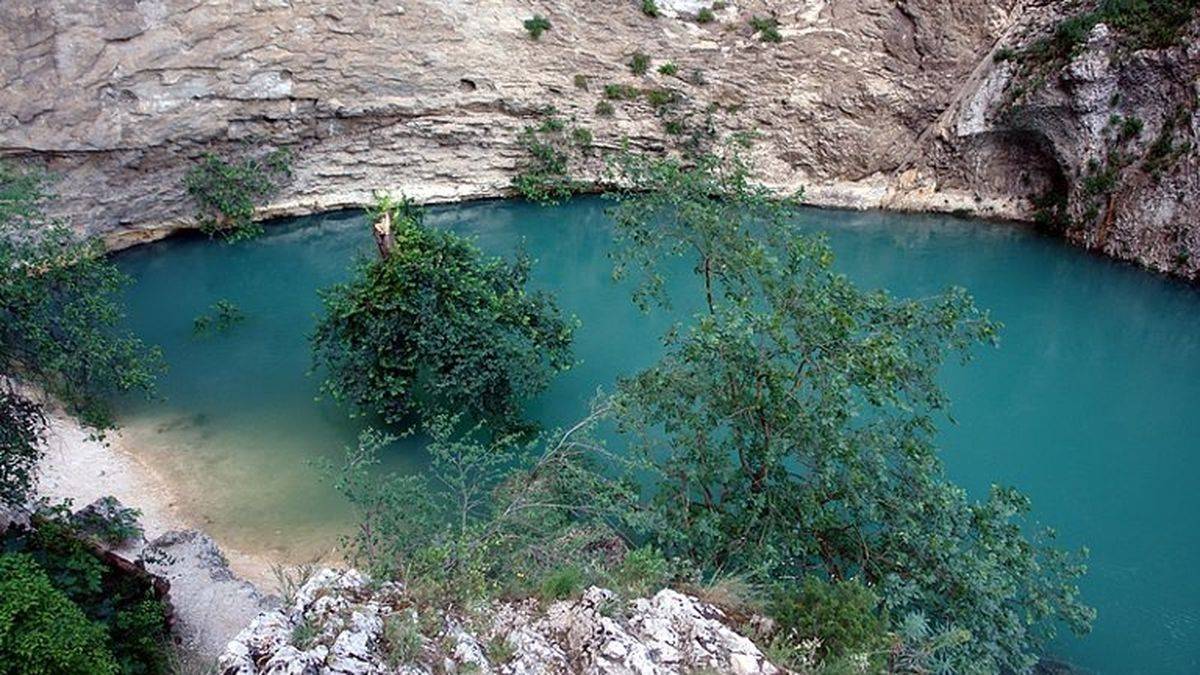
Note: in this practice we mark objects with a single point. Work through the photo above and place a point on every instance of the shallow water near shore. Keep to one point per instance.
(1089, 404)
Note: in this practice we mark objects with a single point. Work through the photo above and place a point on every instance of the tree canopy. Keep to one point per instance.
(792, 424)
(436, 326)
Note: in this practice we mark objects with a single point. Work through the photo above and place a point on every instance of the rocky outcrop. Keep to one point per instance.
(429, 96)
(866, 103)
(1102, 142)
(338, 623)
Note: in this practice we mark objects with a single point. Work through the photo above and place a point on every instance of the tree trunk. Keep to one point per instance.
(384, 239)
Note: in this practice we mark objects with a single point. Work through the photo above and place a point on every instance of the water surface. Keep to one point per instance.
(1089, 404)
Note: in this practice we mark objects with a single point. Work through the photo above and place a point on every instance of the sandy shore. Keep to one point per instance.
(81, 468)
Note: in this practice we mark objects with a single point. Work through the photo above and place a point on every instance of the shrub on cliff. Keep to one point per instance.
(791, 426)
(41, 630)
(438, 326)
(544, 176)
(59, 317)
(537, 25)
(226, 193)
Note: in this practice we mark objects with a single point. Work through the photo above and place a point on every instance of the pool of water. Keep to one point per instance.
(1089, 405)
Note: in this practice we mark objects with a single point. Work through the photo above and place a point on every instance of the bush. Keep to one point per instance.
(227, 194)
(581, 81)
(537, 25)
(544, 178)
(582, 137)
(437, 326)
(604, 109)
(41, 630)
(845, 615)
(767, 28)
(621, 92)
(562, 584)
(668, 69)
(705, 15)
(643, 571)
(122, 606)
(649, 7)
(661, 98)
(639, 63)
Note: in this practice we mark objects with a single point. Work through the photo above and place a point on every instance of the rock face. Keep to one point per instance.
(1107, 138)
(337, 624)
(866, 103)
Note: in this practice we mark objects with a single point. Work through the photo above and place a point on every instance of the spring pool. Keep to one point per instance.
(1089, 405)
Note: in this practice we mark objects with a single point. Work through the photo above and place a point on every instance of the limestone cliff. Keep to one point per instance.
(866, 103)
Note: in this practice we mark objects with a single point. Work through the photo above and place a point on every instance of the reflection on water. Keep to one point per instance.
(1088, 405)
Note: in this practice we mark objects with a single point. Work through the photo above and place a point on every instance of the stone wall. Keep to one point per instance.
(866, 103)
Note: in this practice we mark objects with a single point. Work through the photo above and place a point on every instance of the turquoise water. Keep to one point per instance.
(1089, 405)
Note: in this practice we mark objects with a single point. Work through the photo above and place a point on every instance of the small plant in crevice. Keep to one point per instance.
(767, 28)
(621, 92)
(604, 109)
(222, 316)
(639, 63)
(705, 15)
(669, 69)
(581, 81)
(226, 193)
(650, 8)
(1166, 151)
(537, 25)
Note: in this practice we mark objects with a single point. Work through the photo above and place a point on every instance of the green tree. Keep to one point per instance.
(436, 326)
(792, 425)
(59, 318)
(43, 632)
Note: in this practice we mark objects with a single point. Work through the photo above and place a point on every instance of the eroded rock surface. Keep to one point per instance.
(866, 103)
(336, 624)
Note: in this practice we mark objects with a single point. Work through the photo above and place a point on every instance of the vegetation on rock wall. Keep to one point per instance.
(545, 175)
(437, 327)
(226, 194)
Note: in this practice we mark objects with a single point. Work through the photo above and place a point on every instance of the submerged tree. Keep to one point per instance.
(792, 425)
(435, 326)
(59, 315)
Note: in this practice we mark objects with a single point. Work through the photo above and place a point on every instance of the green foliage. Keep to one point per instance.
(621, 92)
(642, 572)
(604, 109)
(226, 193)
(791, 426)
(650, 8)
(1165, 151)
(537, 25)
(22, 426)
(845, 615)
(639, 63)
(41, 631)
(223, 316)
(1051, 210)
(562, 583)
(581, 81)
(668, 69)
(767, 28)
(661, 98)
(130, 619)
(1005, 54)
(545, 176)
(582, 137)
(402, 640)
(59, 310)
(437, 326)
(485, 512)
(705, 15)
(1138, 24)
